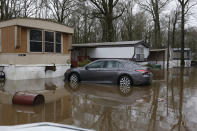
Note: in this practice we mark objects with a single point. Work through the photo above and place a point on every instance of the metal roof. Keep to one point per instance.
(178, 49)
(120, 43)
(38, 24)
(158, 49)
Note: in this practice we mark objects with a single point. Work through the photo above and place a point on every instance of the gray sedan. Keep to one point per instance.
(122, 72)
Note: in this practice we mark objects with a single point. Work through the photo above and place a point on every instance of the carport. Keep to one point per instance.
(158, 56)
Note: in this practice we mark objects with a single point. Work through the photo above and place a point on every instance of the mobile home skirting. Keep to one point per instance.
(24, 72)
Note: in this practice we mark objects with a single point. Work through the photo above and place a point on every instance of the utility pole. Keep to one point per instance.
(168, 54)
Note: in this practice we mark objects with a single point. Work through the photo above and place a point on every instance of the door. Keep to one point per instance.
(110, 71)
(92, 72)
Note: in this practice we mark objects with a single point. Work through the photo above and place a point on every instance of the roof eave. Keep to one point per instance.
(36, 23)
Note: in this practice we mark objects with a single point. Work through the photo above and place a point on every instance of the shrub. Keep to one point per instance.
(149, 65)
(83, 63)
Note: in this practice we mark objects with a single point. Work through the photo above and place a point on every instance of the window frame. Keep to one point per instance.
(44, 41)
(140, 52)
(61, 43)
(29, 39)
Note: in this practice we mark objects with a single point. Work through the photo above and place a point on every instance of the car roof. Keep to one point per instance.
(120, 60)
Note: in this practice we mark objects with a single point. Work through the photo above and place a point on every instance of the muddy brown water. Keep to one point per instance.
(169, 104)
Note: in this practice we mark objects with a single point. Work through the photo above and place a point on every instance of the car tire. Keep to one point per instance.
(125, 84)
(74, 80)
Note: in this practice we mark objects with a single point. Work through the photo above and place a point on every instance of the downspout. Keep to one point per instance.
(15, 37)
(21, 37)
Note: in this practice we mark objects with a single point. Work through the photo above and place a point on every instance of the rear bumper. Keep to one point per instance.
(143, 79)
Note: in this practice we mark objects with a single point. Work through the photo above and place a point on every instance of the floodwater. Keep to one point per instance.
(169, 104)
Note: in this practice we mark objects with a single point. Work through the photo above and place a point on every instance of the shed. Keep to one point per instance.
(159, 56)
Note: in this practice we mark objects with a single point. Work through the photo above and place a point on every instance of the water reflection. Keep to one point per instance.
(170, 103)
(57, 111)
(2, 84)
(75, 86)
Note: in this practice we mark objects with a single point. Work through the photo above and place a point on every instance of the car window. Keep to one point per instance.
(98, 64)
(130, 64)
(114, 64)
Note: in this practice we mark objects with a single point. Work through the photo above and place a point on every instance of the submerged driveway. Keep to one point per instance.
(170, 103)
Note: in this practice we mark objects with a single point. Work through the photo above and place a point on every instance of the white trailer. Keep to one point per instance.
(133, 50)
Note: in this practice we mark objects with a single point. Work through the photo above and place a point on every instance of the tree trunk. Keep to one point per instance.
(110, 33)
(174, 28)
(2, 9)
(182, 35)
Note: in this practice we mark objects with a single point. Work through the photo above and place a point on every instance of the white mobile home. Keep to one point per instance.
(132, 50)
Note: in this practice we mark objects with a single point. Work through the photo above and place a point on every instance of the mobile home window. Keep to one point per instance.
(49, 41)
(58, 43)
(139, 54)
(35, 41)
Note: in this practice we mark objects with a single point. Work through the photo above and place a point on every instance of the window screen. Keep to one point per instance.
(49, 41)
(58, 43)
(139, 50)
(35, 41)
(139, 54)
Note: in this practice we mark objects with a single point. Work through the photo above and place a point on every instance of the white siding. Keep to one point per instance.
(111, 52)
(146, 51)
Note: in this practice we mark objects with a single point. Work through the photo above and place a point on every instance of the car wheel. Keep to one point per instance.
(125, 84)
(74, 80)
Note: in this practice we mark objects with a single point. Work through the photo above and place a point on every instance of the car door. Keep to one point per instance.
(110, 71)
(92, 72)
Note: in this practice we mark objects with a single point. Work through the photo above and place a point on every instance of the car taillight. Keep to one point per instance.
(143, 71)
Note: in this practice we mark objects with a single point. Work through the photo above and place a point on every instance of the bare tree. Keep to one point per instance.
(17, 8)
(133, 25)
(28, 8)
(154, 7)
(185, 7)
(61, 9)
(9, 9)
(104, 10)
(127, 20)
(174, 20)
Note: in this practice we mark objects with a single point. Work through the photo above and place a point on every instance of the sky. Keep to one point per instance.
(192, 20)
